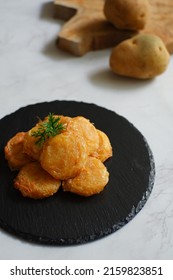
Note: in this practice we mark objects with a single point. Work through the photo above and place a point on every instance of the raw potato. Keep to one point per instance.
(143, 56)
(127, 14)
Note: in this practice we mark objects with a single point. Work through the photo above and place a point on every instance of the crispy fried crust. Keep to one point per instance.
(65, 120)
(104, 150)
(75, 156)
(34, 182)
(64, 155)
(30, 147)
(14, 152)
(87, 130)
(91, 180)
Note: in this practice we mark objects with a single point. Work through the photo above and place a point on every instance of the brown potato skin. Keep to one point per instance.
(14, 153)
(34, 182)
(127, 14)
(143, 57)
(90, 181)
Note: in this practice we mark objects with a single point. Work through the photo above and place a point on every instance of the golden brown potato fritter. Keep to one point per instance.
(91, 180)
(64, 155)
(29, 147)
(14, 152)
(104, 150)
(67, 151)
(87, 130)
(34, 182)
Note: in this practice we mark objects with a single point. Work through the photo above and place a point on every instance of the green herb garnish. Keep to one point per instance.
(47, 129)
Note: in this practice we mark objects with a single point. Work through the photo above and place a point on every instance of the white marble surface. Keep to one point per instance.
(33, 70)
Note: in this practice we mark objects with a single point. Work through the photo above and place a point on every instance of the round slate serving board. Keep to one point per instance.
(65, 218)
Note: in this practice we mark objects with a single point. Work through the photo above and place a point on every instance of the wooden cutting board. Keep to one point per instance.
(87, 28)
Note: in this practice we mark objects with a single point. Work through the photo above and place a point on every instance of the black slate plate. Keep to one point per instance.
(65, 218)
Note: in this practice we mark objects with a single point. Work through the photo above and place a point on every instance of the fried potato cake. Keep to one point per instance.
(64, 155)
(14, 152)
(30, 147)
(104, 150)
(34, 182)
(91, 180)
(87, 130)
(74, 155)
(65, 120)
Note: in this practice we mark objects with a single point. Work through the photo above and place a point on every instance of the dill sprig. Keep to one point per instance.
(47, 129)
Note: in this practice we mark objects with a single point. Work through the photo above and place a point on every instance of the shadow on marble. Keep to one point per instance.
(50, 49)
(47, 12)
(105, 78)
(53, 52)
